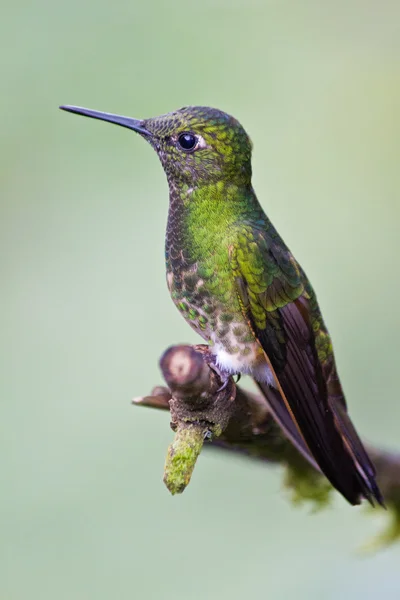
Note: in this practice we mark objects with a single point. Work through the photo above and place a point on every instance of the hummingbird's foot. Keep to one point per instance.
(223, 375)
(225, 378)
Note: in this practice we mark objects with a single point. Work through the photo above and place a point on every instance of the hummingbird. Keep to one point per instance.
(238, 285)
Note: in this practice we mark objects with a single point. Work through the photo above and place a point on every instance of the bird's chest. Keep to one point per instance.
(191, 294)
(209, 303)
(198, 275)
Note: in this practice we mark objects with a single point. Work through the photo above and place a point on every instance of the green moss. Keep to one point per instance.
(391, 533)
(181, 457)
(307, 484)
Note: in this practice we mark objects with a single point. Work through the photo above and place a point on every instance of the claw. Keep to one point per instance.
(223, 386)
(222, 375)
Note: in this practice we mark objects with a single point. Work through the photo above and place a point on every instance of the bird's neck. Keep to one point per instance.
(200, 218)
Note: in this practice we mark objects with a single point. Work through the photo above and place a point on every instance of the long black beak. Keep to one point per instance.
(134, 124)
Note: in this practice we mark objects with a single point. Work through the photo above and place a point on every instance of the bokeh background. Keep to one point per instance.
(85, 310)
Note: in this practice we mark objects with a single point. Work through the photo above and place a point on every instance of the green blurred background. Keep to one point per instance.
(86, 312)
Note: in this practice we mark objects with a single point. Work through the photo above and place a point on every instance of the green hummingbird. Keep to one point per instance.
(238, 285)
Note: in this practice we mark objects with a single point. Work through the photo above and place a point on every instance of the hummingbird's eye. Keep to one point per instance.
(187, 141)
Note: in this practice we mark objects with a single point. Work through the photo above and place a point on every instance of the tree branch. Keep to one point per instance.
(204, 409)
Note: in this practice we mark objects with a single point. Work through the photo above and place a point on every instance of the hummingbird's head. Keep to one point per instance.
(195, 144)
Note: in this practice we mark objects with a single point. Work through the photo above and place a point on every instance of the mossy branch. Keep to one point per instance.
(204, 408)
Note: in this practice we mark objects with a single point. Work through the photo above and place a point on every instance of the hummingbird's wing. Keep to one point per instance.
(283, 313)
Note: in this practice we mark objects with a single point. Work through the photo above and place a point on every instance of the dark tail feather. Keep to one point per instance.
(344, 459)
(356, 449)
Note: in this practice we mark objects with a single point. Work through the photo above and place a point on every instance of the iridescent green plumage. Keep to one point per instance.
(237, 284)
